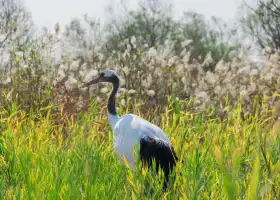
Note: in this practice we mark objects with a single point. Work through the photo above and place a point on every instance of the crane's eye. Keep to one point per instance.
(102, 74)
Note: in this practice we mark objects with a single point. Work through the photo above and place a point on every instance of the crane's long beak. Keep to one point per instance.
(95, 80)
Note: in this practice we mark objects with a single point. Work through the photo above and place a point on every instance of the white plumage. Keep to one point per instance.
(131, 130)
(128, 131)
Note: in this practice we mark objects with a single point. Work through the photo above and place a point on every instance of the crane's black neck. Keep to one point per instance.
(112, 98)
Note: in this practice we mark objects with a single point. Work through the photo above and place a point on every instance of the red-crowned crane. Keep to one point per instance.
(131, 129)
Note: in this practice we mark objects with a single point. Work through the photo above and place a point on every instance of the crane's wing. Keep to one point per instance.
(153, 148)
(162, 153)
(145, 128)
(131, 130)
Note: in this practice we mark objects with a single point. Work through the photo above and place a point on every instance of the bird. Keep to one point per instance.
(130, 130)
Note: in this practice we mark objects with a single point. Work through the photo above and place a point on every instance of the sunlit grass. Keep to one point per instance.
(74, 159)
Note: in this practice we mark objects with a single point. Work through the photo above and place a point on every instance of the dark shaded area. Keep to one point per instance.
(164, 156)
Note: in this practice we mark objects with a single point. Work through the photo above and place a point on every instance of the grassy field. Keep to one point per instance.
(74, 159)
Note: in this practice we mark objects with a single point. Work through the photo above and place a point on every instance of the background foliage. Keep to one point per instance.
(194, 77)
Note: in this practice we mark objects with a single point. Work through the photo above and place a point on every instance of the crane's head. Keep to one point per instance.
(108, 76)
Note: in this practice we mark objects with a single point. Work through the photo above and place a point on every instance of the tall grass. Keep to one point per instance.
(41, 158)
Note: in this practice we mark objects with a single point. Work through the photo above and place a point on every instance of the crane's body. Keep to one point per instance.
(128, 131)
(131, 130)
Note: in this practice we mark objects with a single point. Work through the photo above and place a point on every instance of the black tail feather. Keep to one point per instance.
(163, 154)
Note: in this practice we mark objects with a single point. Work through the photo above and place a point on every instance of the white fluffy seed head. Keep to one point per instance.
(70, 83)
(104, 90)
(99, 99)
(123, 102)
(151, 93)
(90, 74)
(131, 91)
